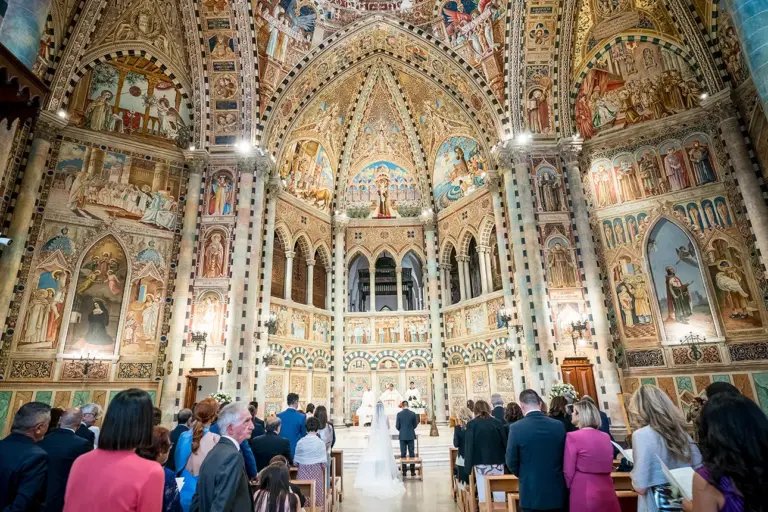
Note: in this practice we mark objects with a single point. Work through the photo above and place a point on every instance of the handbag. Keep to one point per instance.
(667, 497)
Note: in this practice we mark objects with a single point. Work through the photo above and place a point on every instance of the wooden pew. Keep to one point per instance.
(338, 456)
(294, 472)
(328, 506)
(509, 485)
(622, 482)
(452, 454)
(307, 488)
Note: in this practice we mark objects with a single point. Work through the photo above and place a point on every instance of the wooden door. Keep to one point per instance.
(190, 393)
(578, 372)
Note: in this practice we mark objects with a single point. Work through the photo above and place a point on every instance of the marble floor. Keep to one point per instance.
(431, 495)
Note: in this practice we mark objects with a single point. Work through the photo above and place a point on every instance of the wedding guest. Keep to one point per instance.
(294, 425)
(558, 411)
(258, 423)
(63, 448)
(310, 410)
(535, 455)
(158, 451)
(56, 413)
(23, 464)
(326, 431)
(274, 493)
(464, 416)
(279, 460)
(733, 439)
(664, 437)
(471, 406)
(157, 416)
(269, 445)
(605, 421)
(484, 446)
(588, 463)
(193, 447)
(497, 402)
(184, 423)
(245, 449)
(87, 429)
(717, 388)
(311, 459)
(512, 413)
(130, 483)
(222, 485)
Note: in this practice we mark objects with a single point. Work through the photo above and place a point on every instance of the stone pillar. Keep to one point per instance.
(399, 273)
(328, 288)
(424, 289)
(445, 274)
(483, 270)
(340, 223)
(488, 268)
(743, 168)
(607, 377)
(462, 281)
(196, 163)
(289, 255)
(467, 276)
(45, 131)
(372, 295)
(434, 319)
(750, 19)
(236, 295)
(310, 280)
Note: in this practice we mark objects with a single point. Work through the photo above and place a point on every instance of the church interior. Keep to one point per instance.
(257, 197)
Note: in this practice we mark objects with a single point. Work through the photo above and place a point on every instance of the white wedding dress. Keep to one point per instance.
(377, 474)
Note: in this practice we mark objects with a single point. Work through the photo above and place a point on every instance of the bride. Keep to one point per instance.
(377, 474)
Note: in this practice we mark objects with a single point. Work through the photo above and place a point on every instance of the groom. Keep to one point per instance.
(406, 424)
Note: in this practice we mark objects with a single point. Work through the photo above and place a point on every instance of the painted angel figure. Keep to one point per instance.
(305, 22)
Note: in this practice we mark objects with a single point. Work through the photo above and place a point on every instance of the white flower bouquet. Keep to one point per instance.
(222, 397)
(566, 390)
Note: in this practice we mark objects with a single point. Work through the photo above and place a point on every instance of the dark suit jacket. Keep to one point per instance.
(498, 413)
(567, 422)
(406, 424)
(175, 434)
(86, 433)
(293, 426)
(485, 442)
(259, 428)
(535, 456)
(62, 447)
(223, 484)
(23, 467)
(267, 446)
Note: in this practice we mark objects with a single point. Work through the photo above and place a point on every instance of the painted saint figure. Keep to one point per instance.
(678, 298)
(728, 280)
(98, 320)
(675, 171)
(702, 166)
(561, 267)
(214, 257)
(99, 112)
(549, 187)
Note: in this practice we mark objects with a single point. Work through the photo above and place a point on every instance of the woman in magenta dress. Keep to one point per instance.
(588, 463)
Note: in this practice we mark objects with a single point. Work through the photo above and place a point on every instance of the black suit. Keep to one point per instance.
(223, 483)
(267, 446)
(484, 442)
(23, 467)
(535, 456)
(175, 434)
(498, 413)
(62, 447)
(86, 433)
(406, 424)
(259, 429)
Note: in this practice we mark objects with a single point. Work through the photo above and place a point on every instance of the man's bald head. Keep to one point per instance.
(71, 418)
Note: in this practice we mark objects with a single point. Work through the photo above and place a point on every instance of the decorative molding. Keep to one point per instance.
(31, 370)
(134, 371)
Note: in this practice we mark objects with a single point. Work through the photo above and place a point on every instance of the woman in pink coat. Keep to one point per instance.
(588, 463)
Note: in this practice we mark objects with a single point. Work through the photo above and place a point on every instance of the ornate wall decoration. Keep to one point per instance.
(644, 358)
(683, 355)
(75, 370)
(31, 370)
(134, 370)
(748, 351)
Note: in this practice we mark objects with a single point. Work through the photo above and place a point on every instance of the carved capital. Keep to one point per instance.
(290, 254)
(48, 126)
(340, 221)
(514, 154)
(398, 270)
(274, 186)
(570, 152)
(493, 179)
(311, 262)
(720, 106)
(197, 160)
(246, 164)
(429, 221)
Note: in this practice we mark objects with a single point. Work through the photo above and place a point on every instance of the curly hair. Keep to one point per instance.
(205, 412)
(733, 439)
(513, 412)
(161, 443)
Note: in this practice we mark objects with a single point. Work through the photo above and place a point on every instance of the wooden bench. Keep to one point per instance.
(338, 457)
(294, 472)
(307, 488)
(453, 453)
(622, 482)
(509, 485)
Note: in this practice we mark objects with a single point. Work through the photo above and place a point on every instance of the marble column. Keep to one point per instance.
(172, 390)
(425, 289)
(462, 282)
(236, 294)
(328, 288)
(608, 376)
(372, 295)
(494, 185)
(45, 131)
(467, 276)
(445, 274)
(488, 268)
(273, 188)
(310, 280)
(399, 274)
(483, 270)
(289, 255)
(438, 351)
(340, 223)
(744, 169)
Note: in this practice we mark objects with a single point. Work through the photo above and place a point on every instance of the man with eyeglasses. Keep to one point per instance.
(90, 417)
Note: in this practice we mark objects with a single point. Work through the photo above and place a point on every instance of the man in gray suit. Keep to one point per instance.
(406, 424)
(223, 483)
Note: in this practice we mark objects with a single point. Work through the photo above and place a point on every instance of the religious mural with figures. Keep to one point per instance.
(459, 170)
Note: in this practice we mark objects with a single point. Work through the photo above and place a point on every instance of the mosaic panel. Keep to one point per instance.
(504, 381)
(44, 397)
(667, 384)
(5, 404)
(722, 378)
(319, 387)
(702, 381)
(274, 388)
(61, 399)
(684, 384)
(81, 398)
(761, 387)
(743, 384)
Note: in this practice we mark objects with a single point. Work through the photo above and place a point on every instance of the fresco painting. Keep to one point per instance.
(383, 190)
(459, 170)
(22, 26)
(307, 173)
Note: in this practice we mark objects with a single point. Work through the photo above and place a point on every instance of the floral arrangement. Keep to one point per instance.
(565, 390)
(222, 397)
(418, 404)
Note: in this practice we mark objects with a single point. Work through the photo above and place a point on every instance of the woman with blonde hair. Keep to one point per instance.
(664, 437)
(459, 435)
(588, 463)
(192, 448)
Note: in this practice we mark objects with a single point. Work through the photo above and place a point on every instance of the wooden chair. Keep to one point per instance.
(307, 488)
(338, 456)
(509, 485)
(452, 454)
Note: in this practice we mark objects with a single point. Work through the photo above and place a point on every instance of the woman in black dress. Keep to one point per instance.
(558, 411)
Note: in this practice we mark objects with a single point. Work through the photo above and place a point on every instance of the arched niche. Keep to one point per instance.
(359, 269)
